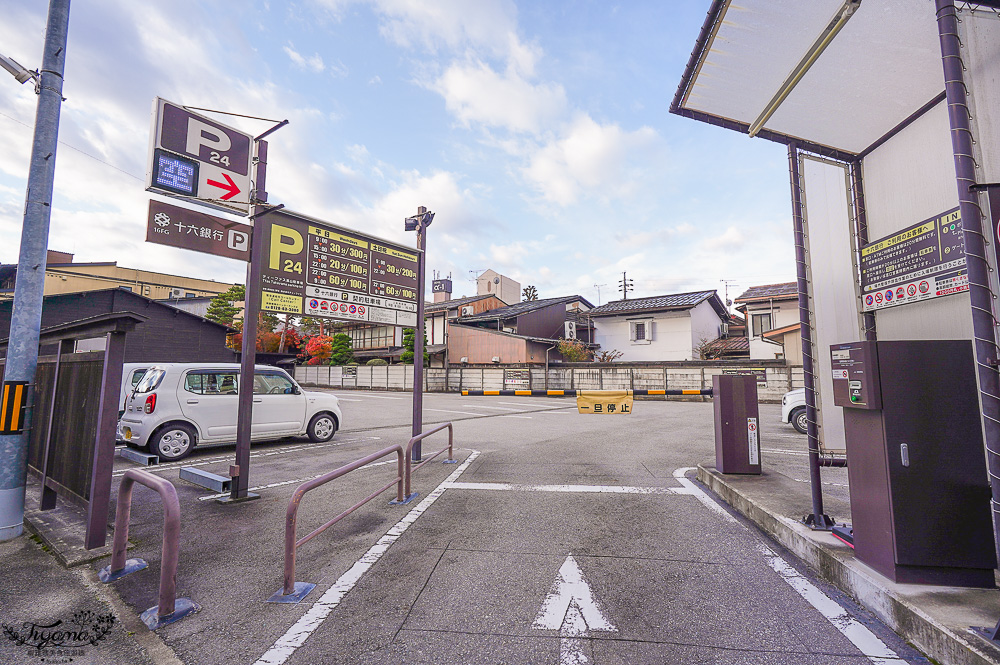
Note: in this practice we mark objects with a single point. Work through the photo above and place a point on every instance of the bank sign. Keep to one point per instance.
(314, 268)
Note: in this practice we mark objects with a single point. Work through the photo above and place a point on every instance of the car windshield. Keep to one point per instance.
(150, 380)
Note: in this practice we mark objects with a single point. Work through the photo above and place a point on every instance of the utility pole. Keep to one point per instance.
(725, 284)
(598, 287)
(26, 319)
(625, 285)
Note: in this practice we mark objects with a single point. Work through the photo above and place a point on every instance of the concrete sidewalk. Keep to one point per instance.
(935, 619)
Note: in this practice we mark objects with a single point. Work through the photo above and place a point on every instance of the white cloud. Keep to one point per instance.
(729, 240)
(589, 157)
(313, 62)
(476, 94)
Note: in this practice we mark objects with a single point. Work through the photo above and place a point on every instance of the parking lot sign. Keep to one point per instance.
(199, 159)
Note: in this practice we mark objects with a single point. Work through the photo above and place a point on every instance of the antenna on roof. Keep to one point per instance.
(598, 287)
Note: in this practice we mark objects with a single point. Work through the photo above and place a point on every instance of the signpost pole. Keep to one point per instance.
(248, 355)
(418, 342)
(22, 355)
(419, 223)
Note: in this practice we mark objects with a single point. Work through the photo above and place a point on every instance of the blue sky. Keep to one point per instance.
(538, 132)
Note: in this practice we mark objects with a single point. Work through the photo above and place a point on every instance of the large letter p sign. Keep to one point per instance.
(283, 241)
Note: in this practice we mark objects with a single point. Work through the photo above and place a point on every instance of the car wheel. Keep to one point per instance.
(798, 419)
(173, 442)
(322, 427)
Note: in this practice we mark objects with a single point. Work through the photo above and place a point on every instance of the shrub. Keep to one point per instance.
(376, 361)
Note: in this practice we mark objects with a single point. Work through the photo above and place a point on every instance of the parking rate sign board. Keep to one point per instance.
(199, 159)
(314, 268)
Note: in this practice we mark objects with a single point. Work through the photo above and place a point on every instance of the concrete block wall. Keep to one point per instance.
(590, 376)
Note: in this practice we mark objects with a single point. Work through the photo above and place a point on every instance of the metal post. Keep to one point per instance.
(26, 319)
(817, 519)
(248, 355)
(418, 335)
(984, 335)
(861, 215)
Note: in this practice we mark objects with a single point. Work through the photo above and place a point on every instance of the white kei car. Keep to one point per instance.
(177, 406)
(793, 409)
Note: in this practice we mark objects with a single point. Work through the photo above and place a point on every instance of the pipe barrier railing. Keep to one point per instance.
(421, 437)
(169, 608)
(574, 393)
(292, 591)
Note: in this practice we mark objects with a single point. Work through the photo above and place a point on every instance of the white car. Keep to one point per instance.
(177, 406)
(793, 409)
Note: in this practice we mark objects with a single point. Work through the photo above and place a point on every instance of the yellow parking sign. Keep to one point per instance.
(604, 401)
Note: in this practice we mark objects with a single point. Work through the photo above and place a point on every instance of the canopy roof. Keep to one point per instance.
(880, 68)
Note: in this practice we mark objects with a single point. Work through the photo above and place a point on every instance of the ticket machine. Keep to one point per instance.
(920, 499)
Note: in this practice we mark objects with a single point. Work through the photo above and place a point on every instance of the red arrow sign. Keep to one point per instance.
(230, 187)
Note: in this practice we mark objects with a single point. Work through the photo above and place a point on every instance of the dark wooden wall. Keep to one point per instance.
(168, 335)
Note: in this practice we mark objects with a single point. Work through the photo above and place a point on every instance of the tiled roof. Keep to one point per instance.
(783, 291)
(456, 302)
(671, 302)
(779, 332)
(727, 346)
(520, 308)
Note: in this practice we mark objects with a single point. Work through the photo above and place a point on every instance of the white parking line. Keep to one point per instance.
(290, 482)
(496, 408)
(307, 624)
(866, 641)
(466, 413)
(228, 458)
(583, 489)
(534, 406)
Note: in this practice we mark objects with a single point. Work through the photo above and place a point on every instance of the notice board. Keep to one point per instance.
(923, 261)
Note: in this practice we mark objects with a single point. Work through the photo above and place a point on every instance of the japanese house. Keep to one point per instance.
(668, 327)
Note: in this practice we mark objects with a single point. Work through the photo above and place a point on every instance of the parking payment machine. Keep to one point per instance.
(920, 500)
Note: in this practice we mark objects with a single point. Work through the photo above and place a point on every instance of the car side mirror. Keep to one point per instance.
(294, 390)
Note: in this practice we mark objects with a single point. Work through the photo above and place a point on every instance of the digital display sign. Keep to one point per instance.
(317, 269)
(175, 174)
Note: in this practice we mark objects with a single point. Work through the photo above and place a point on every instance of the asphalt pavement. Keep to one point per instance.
(556, 538)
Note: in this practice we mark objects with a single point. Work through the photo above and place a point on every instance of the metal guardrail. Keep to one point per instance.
(169, 608)
(574, 393)
(420, 437)
(292, 591)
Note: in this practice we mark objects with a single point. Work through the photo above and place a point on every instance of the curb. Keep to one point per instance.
(836, 564)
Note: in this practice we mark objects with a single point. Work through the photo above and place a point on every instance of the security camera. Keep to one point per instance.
(16, 69)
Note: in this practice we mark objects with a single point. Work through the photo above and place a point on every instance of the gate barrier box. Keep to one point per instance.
(737, 422)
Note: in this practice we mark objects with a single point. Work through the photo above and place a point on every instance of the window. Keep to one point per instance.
(272, 383)
(212, 382)
(641, 331)
(761, 324)
(150, 380)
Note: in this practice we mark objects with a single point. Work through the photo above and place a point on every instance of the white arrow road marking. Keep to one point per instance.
(571, 609)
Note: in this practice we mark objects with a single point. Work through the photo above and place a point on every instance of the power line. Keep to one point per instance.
(85, 154)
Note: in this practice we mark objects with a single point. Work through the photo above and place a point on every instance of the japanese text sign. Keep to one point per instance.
(314, 268)
(923, 261)
(189, 229)
(604, 401)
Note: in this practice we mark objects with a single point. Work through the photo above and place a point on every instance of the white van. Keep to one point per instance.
(176, 406)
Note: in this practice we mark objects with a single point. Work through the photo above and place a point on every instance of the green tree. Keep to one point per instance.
(342, 352)
(409, 339)
(530, 293)
(222, 309)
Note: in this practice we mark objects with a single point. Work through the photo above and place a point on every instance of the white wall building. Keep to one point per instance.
(492, 283)
(772, 307)
(668, 327)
